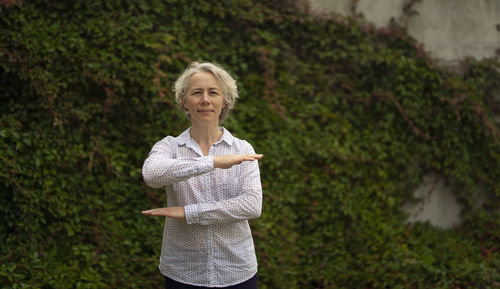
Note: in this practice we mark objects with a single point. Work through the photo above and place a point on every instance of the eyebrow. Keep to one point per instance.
(199, 88)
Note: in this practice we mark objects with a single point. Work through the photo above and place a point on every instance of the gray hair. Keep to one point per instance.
(227, 83)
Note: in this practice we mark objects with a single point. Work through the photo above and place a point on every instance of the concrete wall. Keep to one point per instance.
(450, 30)
(436, 203)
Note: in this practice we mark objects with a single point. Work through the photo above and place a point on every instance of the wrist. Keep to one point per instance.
(216, 162)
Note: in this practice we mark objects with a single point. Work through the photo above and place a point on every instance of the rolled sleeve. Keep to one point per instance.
(192, 214)
(162, 168)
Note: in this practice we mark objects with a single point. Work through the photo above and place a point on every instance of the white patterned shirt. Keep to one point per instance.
(213, 246)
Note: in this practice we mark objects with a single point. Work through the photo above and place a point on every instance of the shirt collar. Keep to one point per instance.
(185, 138)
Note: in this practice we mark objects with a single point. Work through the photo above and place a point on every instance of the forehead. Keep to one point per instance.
(203, 79)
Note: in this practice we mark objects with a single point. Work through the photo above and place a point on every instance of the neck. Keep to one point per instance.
(205, 134)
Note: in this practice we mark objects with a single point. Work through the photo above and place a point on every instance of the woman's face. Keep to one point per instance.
(204, 98)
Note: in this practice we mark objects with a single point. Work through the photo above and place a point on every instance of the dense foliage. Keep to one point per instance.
(350, 118)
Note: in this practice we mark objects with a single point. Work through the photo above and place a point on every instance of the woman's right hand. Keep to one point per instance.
(227, 161)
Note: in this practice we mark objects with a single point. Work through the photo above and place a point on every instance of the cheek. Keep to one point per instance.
(186, 103)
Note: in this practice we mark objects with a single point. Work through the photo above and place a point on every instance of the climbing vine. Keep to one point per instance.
(350, 119)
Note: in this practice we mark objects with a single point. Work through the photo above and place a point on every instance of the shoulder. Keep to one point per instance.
(170, 143)
(242, 145)
(178, 140)
(165, 145)
(168, 140)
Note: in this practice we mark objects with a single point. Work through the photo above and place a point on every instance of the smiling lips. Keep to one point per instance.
(205, 110)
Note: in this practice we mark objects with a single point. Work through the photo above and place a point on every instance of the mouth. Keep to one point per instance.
(205, 111)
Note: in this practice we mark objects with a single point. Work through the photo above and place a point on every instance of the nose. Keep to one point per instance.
(204, 97)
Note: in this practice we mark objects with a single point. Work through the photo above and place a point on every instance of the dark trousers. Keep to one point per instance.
(249, 284)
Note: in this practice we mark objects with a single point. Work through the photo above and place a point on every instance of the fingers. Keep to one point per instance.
(153, 212)
(252, 157)
(227, 161)
(148, 212)
(257, 156)
(171, 212)
(239, 158)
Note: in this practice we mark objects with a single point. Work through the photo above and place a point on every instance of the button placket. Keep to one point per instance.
(211, 242)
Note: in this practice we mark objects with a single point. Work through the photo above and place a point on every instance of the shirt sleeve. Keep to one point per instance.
(162, 169)
(247, 205)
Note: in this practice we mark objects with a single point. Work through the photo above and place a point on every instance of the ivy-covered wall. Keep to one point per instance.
(349, 118)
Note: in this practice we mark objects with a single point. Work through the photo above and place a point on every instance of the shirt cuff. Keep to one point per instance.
(192, 214)
(207, 163)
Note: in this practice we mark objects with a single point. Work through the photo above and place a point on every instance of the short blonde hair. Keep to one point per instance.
(227, 83)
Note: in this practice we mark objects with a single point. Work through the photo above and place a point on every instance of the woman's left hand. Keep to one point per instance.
(171, 212)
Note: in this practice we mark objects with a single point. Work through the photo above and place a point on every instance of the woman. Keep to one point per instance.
(213, 187)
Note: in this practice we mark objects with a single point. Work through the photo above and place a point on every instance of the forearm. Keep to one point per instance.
(240, 208)
(159, 171)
